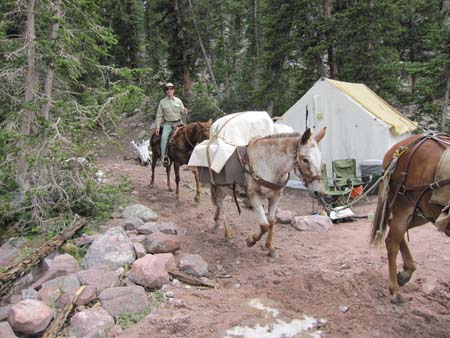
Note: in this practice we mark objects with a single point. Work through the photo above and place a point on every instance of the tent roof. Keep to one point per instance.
(376, 106)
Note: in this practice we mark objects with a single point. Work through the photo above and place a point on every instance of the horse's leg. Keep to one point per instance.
(263, 223)
(154, 160)
(409, 266)
(197, 185)
(168, 178)
(394, 238)
(273, 203)
(176, 169)
(395, 241)
(153, 173)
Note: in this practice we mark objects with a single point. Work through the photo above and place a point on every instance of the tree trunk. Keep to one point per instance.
(187, 85)
(445, 106)
(205, 55)
(413, 52)
(28, 116)
(49, 78)
(331, 59)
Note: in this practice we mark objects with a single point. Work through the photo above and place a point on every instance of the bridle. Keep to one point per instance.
(306, 179)
(187, 137)
(297, 170)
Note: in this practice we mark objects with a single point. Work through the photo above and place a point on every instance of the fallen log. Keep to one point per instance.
(189, 279)
(19, 269)
(60, 320)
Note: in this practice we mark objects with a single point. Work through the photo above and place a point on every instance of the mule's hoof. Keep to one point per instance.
(250, 241)
(273, 254)
(397, 299)
(197, 199)
(403, 278)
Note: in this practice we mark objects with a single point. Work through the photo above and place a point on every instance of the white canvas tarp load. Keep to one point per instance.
(227, 133)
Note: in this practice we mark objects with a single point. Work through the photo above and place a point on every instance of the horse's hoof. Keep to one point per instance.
(273, 254)
(170, 189)
(250, 241)
(197, 199)
(397, 299)
(403, 278)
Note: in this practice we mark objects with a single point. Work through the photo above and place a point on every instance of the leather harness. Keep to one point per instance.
(401, 188)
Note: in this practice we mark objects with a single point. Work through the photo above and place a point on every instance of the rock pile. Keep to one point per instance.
(119, 269)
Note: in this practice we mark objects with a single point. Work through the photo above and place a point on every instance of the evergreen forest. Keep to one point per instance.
(74, 69)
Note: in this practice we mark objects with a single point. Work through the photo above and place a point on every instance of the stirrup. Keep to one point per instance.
(166, 161)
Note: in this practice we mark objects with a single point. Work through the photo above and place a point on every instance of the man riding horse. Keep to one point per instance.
(170, 113)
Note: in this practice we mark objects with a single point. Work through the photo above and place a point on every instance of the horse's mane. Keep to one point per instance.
(281, 135)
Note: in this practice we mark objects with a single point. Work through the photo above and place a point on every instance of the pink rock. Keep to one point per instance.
(149, 271)
(30, 316)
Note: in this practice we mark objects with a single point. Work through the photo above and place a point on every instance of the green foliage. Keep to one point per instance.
(128, 319)
(77, 252)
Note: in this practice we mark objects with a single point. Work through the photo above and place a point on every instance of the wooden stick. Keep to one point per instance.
(189, 279)
(58, 322)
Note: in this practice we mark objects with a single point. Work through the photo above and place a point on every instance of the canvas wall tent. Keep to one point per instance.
(359, 123)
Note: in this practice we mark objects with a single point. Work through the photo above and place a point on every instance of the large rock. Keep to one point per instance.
(152, 227)
(59, 266)
(133, 222)
(122, 300)
(6, 331)
(92, 322)
(112, 250)
(65, 286)
(30, 316)
(149, 271)
(141, 211)
(161, 243)
(9, 251)
(285, 216)
(194, 265)
(100, 279)
(315, 223)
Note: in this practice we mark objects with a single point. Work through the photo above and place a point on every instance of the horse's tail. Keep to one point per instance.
(379, 223)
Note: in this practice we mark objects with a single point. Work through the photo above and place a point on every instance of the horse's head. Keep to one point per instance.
(202, 131)
(309, 161)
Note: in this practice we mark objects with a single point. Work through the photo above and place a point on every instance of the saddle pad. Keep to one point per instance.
(231, 173)
(441, 196)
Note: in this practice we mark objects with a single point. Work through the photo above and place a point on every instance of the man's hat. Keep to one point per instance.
(169, 84)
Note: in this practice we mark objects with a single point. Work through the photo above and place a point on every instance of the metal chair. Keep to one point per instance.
(344, 173)
(334, 194)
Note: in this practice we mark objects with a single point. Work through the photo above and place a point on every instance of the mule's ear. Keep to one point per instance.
(306, 136)
(320, 135)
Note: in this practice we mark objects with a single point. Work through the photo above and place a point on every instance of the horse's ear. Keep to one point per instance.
(320, 135)
(209, 123)
(306, 136)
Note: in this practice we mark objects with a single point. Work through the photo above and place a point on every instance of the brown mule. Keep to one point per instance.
(180, 146)
(405, 202)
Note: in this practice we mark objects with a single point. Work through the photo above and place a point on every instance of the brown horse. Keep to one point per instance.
(267, 165)
(410, 168)
(180, 146)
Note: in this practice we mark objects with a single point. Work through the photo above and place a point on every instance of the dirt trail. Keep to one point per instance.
(332, 282)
